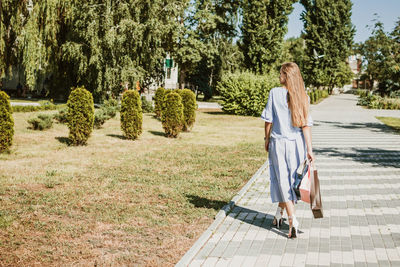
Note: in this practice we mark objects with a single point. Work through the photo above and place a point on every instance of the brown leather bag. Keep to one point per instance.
(315, 195)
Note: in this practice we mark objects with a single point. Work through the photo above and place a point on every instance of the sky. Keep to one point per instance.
(362, 15)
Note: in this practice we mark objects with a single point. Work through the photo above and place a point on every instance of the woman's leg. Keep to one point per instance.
(279, 215)
(292, 218)
(289, 208)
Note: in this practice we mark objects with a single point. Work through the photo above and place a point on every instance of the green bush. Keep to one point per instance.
(246, 93)
(131, 114)
(189, 108)
(172, 114)
(80, 115)
(312, 97)
(317, 95)
(158, 101)
(147, 107)
(61, 116)
(6, 122)
(110, 108)
(376, 102)
(100, 117)
(47, 105)
(41, 122)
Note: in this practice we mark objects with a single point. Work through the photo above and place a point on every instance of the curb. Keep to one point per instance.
(192, 252)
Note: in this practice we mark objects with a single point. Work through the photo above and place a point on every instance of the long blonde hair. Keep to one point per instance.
(298, 99)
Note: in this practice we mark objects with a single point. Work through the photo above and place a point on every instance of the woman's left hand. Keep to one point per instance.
(310, 156)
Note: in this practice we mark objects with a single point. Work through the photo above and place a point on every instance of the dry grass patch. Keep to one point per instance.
(120, 202)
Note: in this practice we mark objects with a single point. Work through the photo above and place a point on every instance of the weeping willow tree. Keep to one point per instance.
(97, 43)
(13, 16)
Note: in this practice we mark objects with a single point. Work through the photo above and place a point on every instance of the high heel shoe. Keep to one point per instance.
(293, 227)
(278, 220)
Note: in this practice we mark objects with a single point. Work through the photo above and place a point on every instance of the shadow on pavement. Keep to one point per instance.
(257, 218)
(376, 156)
(375, 127)
(263, 220)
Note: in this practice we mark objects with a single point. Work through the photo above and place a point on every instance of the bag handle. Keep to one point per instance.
(300, 169)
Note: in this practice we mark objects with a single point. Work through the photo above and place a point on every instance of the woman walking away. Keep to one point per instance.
(287, 139)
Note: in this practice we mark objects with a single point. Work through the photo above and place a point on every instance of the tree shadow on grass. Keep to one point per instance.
(157, 133)
(63, 140)
(246, 215)
(201, 202)
(376, 156)
(216, 112)
(118, 136)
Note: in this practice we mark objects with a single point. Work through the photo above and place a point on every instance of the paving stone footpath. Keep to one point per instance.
(358, 161)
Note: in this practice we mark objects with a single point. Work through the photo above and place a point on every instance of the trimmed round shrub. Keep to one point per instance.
(246, 93)
(131, 114)
(158, 101)
(80, 115)
(41, 122)
(189, 108)
(172, 114)
(6, 122)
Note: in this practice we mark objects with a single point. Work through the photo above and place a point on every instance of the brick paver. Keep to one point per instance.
(358, 161)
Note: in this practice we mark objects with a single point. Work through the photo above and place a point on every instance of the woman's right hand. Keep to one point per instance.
(266, 145)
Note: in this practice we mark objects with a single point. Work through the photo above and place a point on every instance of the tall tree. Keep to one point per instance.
(263, 28)
(381, 57)
(328, 33)
(206, 45)
(294, 51)
(13, 16)
(377, 51)
(98, 43)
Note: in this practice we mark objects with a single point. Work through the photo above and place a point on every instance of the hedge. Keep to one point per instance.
(6, 122)
(317, 95)
(43, 106)
(246, 93)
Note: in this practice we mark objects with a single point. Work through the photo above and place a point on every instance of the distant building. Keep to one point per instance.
(170, 74)
(355, 63)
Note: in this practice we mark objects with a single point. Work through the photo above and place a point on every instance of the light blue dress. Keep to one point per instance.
(287, 147)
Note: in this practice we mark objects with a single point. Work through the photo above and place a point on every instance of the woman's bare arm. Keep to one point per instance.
(307, 137)
(267, 134)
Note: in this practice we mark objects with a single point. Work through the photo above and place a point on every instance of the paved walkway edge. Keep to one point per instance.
(219, 218)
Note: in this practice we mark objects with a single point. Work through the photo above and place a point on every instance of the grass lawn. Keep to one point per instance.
(120, 202)
(391, 122)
